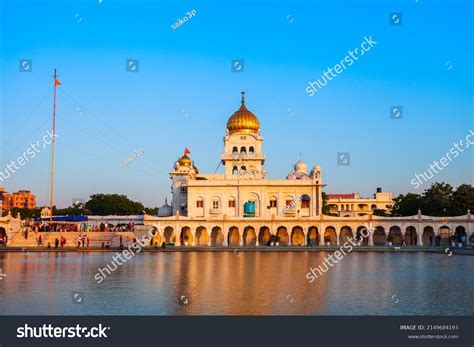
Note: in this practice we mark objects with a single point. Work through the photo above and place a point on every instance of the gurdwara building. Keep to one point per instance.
(242, 207)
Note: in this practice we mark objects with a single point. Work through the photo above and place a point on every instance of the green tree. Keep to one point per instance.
(406, 205)
(436, 200)
(73, 210)
(25, 212)
(462, 200)
(325, 208)
(112, 204)
(151, 210)
(380, 212)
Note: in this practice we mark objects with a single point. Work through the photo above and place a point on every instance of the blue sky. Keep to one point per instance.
(185, 91)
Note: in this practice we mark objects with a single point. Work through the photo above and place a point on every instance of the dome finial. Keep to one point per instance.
(243, 120)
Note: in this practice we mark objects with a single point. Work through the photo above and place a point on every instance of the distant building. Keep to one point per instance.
(352, 205)
(20, 199)
(2, 192)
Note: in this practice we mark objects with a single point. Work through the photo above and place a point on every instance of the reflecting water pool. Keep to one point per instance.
(237, 283)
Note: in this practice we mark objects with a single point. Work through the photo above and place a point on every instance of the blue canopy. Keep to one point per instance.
(64, 219)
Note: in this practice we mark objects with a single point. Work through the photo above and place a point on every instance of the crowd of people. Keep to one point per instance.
(44, 227)
(77, 227)
(454, 241)
(83, 239)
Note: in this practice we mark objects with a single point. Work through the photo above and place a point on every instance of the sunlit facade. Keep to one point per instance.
(242, 207)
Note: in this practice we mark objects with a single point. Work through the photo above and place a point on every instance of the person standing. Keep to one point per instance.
(463, 240)
(87, 241)
(56, 243)
(431, 240)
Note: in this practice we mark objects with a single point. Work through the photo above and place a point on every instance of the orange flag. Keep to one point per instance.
(186, 151)
(56, 82)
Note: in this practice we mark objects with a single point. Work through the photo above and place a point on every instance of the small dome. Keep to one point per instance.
(165, 210)
(184, 161)
(301, 167)
(243, 120)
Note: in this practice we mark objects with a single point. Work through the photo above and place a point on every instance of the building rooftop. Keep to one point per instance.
(342, 196)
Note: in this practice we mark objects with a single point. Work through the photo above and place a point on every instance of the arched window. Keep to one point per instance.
(273, 202)
(373, 207)
(235, 151)
(243, 169)
(235, 170)
(200, 202)
(305, 199)
(215, 204)
(232, 202)
(251, 150)
(243, 150)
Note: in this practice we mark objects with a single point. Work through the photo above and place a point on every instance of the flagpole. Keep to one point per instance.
(51, 190)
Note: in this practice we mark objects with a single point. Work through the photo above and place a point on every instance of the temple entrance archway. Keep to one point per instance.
(283, 237)
(428, 232)
(379, 236)
(411, 236)
(264, 236)
(297, 236)
(233, 239)
(186, 236)
(345, 234)
(202, 237)
(249, 237)
(217, 236)
(396, 234)
(330, 236)
(313, 235)
(169, 235)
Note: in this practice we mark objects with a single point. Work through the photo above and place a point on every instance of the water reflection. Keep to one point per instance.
(236, 283)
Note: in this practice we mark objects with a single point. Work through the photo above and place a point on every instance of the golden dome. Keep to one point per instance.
(184, 160)
(243, 120)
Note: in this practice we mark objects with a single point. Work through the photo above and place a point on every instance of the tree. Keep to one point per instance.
(325, 208)
(462, 200)
(25, 212)
(73, 210)
(406, 205)
(436, 200)
(151, 210)
(113, 204)
(380, 212)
